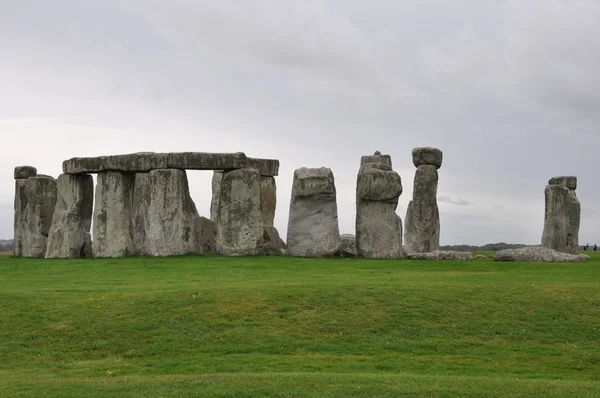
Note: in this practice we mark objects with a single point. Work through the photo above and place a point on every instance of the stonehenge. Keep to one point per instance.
(313, 221)
(562, 215)
(422, 221)
(141, 206)
(378, 227)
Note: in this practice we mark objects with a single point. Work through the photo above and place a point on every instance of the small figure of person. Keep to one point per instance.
(595, 247)
(585, 248)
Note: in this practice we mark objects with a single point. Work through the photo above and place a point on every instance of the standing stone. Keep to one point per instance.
(422, 222)
(21, 173)
(347, 245)
(140, 223)
(240, 219)
(313, 222)
(273, 245)
(37, 202)
(216, 192)
(378, 227)
(112, 215)
(562, 215)
(208, 236)
(69, 235)
(173, 221)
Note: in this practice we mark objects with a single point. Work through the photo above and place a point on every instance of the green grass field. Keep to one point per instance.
(286, 327)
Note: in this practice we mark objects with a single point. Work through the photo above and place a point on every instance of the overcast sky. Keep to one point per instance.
(508, 90)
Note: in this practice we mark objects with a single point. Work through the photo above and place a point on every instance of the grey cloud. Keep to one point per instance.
(457, 201)
(508, 90)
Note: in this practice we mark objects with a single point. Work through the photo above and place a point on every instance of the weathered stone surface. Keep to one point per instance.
(84, 165)
(20, 207)
(421, 224)
(207, 161)
(378, 183)
(139, 162)
(561, 219)
(40, 198)
(427, 156)
(378, 227)
(313, 221)
(69, 235)
(174, 226)
(538, 254)
(480, 257)
(207, 236)
(347, 246)
(112, 215)
(240, 220)
(216, 192)
(377, 158)
(268, 196)
(24, 172)
(141, 197)
(441, 255)
(272, 244)
(573, 222)
(267, 167)
(564, 181)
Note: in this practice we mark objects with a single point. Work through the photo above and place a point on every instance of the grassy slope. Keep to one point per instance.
(216, 326)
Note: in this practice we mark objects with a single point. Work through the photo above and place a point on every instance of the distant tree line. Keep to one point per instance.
(6, 246)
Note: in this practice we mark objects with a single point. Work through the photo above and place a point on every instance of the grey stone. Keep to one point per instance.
(141, 197)
(24, 172)
(573, 222)
(112, 215)
(377, 158)
(272, 244)
(84, 165)
(267, 167)
(69, 235)
(441, 255)
(20, 207)
(427, 156)
(136, 162)
(347, 245)
(480, 257)
(268, 196)
(216, 192)
(564, 181)
(207, 236)
(207, 161)
(313, 221)
(561, 219)
(422, 222)
(538, 254)
(378, 227)
(240, 220)
(174, 226)
(40, 198)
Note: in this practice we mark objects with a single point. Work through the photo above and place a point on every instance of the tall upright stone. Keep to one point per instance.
(422, 222)
(216, 192)
(112, 215)
(272, 244)
(378, 227)
(240, 218)
(174, 226)
(21, 173)
(37, 202)
(140, 218)
(562, 215)
(69, 235)
(313, 229)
